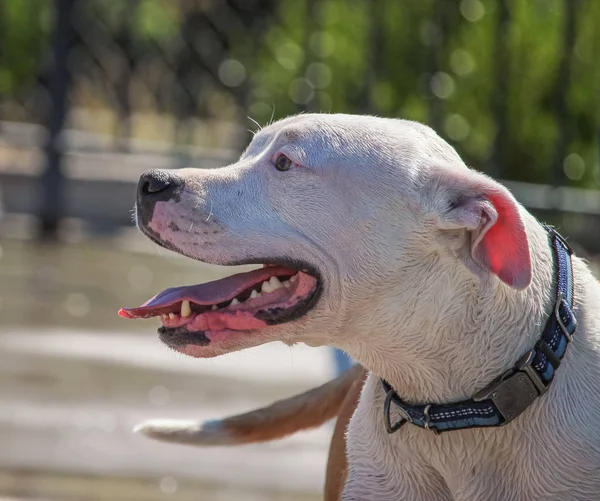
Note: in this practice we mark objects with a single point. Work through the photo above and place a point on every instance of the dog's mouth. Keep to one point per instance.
(197, 315)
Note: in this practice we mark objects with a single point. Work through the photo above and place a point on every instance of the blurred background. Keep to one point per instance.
(94, 92)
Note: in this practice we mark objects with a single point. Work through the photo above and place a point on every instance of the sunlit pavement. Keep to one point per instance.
(69, 400)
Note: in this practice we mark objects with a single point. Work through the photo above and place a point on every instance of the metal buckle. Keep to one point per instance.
(405, 417)
(427, 419)
(513, 392)
(561, 299)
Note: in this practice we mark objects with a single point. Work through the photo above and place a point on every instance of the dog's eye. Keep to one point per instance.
(283, 163)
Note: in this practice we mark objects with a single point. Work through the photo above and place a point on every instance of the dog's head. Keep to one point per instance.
(352, 216)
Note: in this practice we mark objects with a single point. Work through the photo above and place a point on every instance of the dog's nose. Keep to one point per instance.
(157, 181)
(156, 186)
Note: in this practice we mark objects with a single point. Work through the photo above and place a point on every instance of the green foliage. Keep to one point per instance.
(460, 38)
(24, 33)
(437, 62)
(156, 19)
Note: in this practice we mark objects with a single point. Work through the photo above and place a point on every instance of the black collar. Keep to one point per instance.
(510, 394)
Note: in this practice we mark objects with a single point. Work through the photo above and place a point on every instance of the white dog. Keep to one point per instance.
(381, 242)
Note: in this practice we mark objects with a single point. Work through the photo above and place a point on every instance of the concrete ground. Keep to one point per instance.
(69, 401)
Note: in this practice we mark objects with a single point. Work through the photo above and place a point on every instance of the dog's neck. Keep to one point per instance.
(457, 337)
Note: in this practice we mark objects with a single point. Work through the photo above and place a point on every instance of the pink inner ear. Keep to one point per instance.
(504, 248)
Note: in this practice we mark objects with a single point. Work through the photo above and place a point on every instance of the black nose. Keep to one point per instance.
(156, 186)
(157, 181)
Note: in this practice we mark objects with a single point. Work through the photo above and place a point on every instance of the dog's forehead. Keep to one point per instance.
(289, 130)
(368, 131)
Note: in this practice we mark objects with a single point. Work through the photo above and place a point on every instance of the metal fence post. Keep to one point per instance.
(51, 182)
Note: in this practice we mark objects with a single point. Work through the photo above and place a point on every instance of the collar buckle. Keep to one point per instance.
(428, 420)
(513, 392)
(405, 416)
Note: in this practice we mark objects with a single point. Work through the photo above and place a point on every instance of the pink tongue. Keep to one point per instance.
(209, 293)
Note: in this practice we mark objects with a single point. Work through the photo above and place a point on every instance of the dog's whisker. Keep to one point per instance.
(209, 212)
(255, 123)
(272, 114)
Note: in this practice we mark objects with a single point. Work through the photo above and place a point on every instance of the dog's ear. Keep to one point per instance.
(464, 198)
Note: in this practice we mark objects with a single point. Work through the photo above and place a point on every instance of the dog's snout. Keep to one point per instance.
(156, 186)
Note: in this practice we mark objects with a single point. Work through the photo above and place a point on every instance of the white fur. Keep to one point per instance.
(174, 430)
(408, 295)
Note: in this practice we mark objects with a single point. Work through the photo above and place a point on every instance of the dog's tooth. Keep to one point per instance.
(266, 287)
(172, 316)
(164, 316)
(214, 307)
(186, 311)
(234, 301)
(294, 279)
(275, 283)
(254, 294)
(287, 284)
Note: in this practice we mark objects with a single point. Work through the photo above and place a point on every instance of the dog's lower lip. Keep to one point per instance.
(176, 337)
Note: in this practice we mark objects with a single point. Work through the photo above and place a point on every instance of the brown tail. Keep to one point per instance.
(278, 420)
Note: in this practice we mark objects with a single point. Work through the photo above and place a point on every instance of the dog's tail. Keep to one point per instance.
(278, 420)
